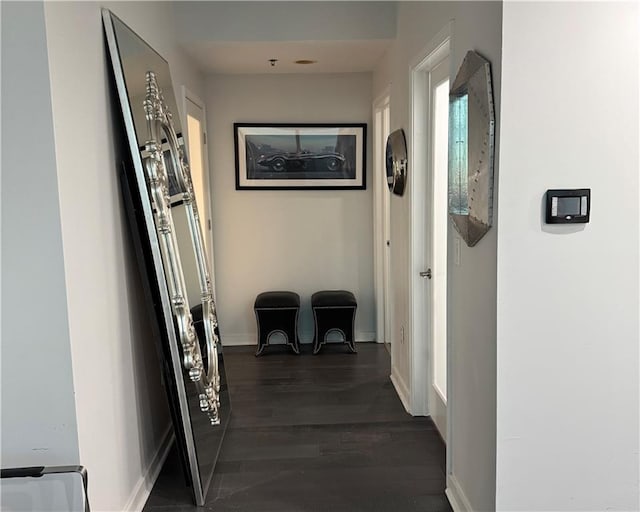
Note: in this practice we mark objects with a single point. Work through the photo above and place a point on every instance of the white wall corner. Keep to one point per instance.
(401, 388)
(145, 483)
(456, 496)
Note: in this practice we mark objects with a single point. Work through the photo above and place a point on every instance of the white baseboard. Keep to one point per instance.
(456, 496)
(401, 388)
(365, 336)
(238, 340)
(142, 490)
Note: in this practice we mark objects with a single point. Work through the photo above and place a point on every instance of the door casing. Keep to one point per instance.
(381, 220)
(189, 102)
(420, 170)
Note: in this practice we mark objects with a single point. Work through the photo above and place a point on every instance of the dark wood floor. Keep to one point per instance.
(324, 433)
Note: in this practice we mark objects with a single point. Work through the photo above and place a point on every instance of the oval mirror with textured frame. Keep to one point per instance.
(160, 201)
(471, 148)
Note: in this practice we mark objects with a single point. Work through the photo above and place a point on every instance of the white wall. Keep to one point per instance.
(122, 411)
(472, 284)
(567, 392)
(38, 409)
(285, 21)
(302, 241)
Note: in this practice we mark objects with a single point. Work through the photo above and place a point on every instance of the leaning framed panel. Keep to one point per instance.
(300, 156)
(190, 350)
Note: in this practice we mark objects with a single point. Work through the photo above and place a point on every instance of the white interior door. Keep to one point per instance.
(382, 223)
(427, 225)
(437, 226)
(196, 137)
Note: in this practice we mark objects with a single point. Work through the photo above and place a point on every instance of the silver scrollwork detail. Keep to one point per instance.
(160, 125)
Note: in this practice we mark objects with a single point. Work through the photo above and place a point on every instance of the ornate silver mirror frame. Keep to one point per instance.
(160, 125)
(191, 359)
(471, 149)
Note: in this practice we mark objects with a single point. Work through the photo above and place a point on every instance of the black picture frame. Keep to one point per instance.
(284, 156)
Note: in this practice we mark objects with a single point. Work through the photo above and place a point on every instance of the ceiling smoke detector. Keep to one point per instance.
(305, 61)
(273, 62)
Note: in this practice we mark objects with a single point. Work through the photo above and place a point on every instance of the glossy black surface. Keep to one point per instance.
(316, 433)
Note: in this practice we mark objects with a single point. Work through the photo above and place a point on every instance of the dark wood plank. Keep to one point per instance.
(316, 433)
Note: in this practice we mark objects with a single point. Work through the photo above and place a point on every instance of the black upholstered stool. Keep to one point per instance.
(277, 312)
(333, 310)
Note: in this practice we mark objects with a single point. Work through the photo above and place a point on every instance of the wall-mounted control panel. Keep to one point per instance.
(568, 206)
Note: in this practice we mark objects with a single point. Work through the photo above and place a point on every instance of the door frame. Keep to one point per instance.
(382, 300)
(419, 255)
(439, 74)
(188, 95)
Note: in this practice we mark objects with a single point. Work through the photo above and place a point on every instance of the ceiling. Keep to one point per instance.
(251, 57)
(239, 37)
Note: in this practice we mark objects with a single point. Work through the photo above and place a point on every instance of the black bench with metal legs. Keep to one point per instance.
(277, 313)
(333, 310)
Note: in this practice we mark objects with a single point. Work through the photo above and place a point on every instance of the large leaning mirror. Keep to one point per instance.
(471, 141)
(162, 208)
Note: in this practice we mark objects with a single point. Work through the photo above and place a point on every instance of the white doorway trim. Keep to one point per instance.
(381, 206)
(420, 175)
(437, 238)
(189, 96)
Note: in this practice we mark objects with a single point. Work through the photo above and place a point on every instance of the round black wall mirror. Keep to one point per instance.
(396, 161)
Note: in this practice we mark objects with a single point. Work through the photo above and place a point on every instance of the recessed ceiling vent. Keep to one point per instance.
(305, 61)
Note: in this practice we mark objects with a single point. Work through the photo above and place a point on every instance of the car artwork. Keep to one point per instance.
(303, 161)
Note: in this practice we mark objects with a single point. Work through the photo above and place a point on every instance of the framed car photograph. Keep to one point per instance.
(300, 156)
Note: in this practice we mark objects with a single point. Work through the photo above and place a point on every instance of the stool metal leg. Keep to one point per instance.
(262, 336)
(334, 318)
(351, 340)
(277, 321)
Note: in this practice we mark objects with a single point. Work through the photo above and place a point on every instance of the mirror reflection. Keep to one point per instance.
(471, 147)
(197, 389)
(396, 161)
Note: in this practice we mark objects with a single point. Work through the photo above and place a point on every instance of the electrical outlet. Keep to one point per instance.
(401, 334)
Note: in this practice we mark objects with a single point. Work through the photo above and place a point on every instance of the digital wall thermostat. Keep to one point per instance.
(568, 206)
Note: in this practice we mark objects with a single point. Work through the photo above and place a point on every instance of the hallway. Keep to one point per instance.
(316, 433)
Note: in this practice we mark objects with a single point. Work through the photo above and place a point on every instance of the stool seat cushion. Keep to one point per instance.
(268, 300)
(333, 298)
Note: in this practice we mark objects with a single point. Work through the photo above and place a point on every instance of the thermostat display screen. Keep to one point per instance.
(568, 206)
